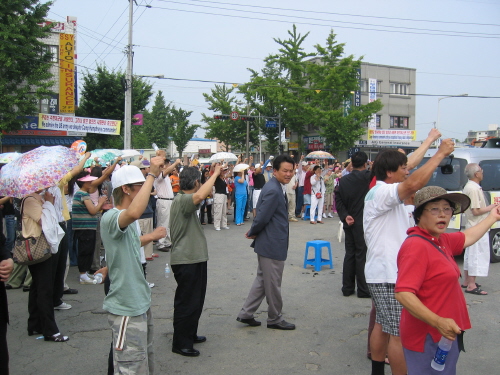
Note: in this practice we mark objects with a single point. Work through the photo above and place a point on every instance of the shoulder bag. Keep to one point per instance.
(30, 250)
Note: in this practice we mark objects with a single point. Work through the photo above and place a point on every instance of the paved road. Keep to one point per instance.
(331, 329)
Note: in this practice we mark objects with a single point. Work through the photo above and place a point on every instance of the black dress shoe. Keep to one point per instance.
(282, 325)
(26, 288)
(32, 333)
(251, 322)
(70, 291)
(199, 339)
(8, 286)
(347, 294)
(186, 352)
(362, 295)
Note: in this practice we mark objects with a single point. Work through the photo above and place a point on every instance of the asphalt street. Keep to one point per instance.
(331, 332)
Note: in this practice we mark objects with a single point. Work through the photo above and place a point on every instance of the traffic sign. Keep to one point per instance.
(270, 124)
(235, 115)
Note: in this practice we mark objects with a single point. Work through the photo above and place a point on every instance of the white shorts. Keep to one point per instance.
(255, 197)
(477, 257)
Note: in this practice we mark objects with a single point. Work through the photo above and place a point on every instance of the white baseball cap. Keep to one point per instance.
(128, 174)
(257, 165)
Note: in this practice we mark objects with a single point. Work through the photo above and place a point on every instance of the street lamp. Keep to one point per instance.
(446, 97)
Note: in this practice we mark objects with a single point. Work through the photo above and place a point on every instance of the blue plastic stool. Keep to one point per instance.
(318, 261)
(307, 213)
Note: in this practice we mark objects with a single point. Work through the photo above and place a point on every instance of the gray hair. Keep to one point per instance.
(188, 178)
(471, 169)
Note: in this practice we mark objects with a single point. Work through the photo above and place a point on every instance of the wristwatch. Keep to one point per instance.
(150, 174)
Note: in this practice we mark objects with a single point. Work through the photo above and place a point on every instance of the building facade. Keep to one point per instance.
(61, 42)
(393, 126)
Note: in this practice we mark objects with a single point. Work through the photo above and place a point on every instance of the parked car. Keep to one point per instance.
(450, 175)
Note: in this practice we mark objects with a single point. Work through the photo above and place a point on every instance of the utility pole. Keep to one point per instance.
(127, 130)
(248, 132)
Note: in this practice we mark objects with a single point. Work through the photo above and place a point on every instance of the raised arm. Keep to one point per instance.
(141, 200)
(419, 178)
(416, 157)
(205, 189)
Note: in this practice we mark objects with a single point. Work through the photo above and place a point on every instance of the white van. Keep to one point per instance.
(450, 175)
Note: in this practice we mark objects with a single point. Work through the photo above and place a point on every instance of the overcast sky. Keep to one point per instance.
(453, 44)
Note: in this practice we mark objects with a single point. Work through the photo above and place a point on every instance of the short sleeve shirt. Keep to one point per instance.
(82, 219)
(189, 244)
(129, 293)
(434, 278)
(474, 191)
(385, 222)
(241, 188)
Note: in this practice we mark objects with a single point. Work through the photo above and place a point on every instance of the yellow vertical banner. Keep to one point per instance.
(66, 73)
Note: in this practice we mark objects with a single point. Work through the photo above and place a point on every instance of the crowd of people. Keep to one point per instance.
(105, 221)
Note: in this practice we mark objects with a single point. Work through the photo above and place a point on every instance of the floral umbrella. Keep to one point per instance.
(8, 157)
(320, 155)
(226, 156)
(36, 170)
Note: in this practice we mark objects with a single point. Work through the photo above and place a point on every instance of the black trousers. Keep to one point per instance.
(354, 261)
(188, 302)
(41, 298)
(4, 319)
(209, 213)
(60, 267)
(86, 247)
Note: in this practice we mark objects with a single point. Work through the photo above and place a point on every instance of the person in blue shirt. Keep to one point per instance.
(240, 195)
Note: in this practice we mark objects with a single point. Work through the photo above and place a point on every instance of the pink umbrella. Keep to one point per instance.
(36, 170)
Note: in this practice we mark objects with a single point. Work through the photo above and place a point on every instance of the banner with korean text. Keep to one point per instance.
(78, 124)
(389, 134)
(66, 73)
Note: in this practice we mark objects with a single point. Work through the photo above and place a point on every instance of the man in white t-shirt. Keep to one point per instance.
(385, 222)
(477, 256)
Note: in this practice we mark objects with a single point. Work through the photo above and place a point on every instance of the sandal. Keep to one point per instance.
(56, 338)
(477, 285)
(320, 222)
(313, 222)
(477, 291)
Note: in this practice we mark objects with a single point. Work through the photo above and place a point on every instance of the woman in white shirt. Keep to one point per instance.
(317, 194)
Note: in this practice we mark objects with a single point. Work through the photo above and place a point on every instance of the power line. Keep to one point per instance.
(338, 21)
(343, 14)
(487, 36)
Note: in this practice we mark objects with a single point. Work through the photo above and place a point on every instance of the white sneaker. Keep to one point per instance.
(90, 276)
(330, 215)
(84, 279)
(324, 215)
(151, 285)
(63, 306)
(225, 227)
(217, 228)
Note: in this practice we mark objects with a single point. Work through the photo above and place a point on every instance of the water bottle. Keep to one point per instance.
(439, 360)
(155, 147)
(98, 278)
(167, 271)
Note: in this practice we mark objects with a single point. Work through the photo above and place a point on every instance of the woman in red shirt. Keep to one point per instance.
(427, 284)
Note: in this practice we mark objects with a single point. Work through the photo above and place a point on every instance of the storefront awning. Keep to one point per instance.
(12, 140)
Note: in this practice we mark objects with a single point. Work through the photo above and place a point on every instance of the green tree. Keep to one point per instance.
(182, 131)
(309, 92)
(103, 97)
(222, 101)
(25, 61)
(156, 126)
(334, 80)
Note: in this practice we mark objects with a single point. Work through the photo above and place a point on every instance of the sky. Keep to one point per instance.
(453, 44)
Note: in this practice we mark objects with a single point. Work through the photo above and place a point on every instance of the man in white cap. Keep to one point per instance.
(129, 299)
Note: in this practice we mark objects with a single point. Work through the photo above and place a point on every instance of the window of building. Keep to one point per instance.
(400, 89)
(399, 122)
(379, 120)
(54, 50)
(364, 86)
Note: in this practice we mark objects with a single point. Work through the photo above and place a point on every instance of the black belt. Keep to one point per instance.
(167, 199)
(257, 189)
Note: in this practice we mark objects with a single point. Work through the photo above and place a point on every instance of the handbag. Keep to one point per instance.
(318, 195)
(31, 250)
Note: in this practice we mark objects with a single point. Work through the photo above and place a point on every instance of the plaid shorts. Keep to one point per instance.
(388, 309)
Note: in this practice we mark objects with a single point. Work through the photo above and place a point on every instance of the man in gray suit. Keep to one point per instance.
(270, 233)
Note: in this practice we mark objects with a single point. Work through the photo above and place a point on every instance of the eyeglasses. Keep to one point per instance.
(436, 210)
